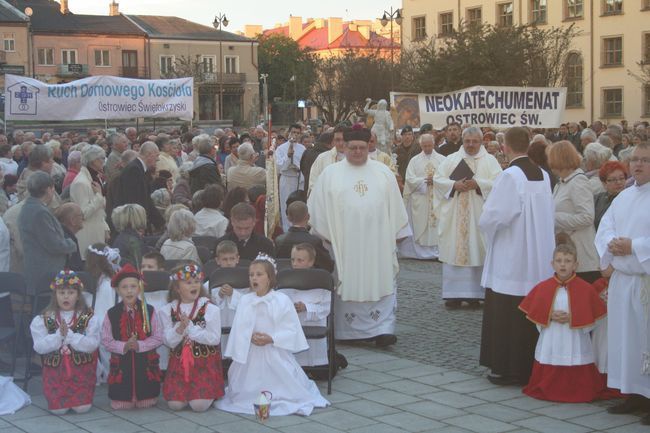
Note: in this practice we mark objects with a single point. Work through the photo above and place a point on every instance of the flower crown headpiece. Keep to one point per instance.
(67, 279)
(111, 254)
(267, 258)
(187, 272)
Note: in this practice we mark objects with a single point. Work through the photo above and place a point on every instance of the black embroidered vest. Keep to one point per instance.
(125, 369)
(198, 350)
(53, 359)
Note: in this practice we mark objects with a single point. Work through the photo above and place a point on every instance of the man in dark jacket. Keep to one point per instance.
(204, 171)
(134, 185)
(249, 244)
(323, 144)
(72, 220)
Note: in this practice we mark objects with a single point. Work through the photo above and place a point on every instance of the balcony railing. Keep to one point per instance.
(72, 70)
(134, 72)
(214, 77)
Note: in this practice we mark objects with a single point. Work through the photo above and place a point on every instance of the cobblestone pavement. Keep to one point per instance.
(429, 382)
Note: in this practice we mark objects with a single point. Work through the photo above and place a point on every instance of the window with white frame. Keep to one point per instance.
(612, 7)
(446, 21)
(68, 57)
(538, 11)
(574, 83)
(574, 9)
(612, 51)
(419, 28)
(9, 41)
(45, 56)
(102, 58)
(474, 16)
(505, 12)
(208, 64)
(231, 64)
(167, 65)
(612, 102)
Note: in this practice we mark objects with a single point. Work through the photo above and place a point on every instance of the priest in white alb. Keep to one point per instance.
(335, 154)
(356, 206)
(422, 203)
(377, 155)
(518, 226)
(623, 243)
(463, 182)
(287, 161)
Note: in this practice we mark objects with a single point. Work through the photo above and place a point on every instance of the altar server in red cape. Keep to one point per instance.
(66, 335)
(131, 333)
(192, 331)
(565, 309)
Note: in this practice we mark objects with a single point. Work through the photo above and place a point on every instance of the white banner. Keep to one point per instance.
(503, 107)
(99, 97)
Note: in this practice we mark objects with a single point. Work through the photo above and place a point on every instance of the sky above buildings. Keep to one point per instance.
(240, 12)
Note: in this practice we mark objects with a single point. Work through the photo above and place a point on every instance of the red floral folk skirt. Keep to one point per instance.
(63, 391)
(205, 379)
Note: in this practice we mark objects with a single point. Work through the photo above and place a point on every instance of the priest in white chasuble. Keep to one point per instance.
(463, 182)
(518, 225)
(356, 207)
(422, 203)
(623, 244)
(379, 156)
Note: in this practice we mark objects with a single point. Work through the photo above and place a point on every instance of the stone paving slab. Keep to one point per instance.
(429, 382)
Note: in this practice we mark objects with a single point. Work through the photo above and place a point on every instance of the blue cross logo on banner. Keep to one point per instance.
(23, 99)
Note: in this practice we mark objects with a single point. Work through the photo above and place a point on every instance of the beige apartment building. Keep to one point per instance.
(224, 65)
(14, 42)
(614, 38)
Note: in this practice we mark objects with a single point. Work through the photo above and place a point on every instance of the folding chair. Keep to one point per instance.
(172, 263)
(155, 280)
(283, 264)
(39, 301)
(208, 268)
(209, 242)
(309, 279)
(244, 263)
(151, 241)
(13, 284)
(205, 255)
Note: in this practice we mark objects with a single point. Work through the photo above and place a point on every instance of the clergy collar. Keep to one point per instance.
(144, 166)
(516, 158)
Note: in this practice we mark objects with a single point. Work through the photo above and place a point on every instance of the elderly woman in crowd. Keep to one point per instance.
(595, 155)
(74, 165)
(613, 175)
(58, 170)
(179, 246)
(182, 192)
(574, 206)
(130, 221)
(232, 159)
(45, 247)
(86, 191)
(209, 220)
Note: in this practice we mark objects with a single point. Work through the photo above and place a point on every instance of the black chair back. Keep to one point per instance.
(305, 279)
(90, 285)
(151, 241)
(205, 254)
(155, 280)
(172, 263)
(283, 264)
(235, 277)
(209, 242)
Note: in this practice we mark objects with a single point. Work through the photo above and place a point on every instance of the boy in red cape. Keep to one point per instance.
(565, 309)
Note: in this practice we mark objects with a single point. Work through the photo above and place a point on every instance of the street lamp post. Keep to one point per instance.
(219, 22)
(393, 15)
(265, 96)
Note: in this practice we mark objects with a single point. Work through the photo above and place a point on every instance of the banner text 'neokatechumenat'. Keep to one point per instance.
(99, 97)
(536, 107)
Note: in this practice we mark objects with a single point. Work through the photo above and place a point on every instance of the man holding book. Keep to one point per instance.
(463, 182)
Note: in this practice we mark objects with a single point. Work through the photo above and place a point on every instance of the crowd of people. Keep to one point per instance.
(547, 230)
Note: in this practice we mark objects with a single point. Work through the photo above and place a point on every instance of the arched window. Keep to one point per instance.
(574, 80)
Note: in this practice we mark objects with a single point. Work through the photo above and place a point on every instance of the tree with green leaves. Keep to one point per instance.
(343, 83)
(490, 56)
(290, 68)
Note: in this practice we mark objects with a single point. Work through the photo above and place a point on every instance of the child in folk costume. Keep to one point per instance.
(192, 330)
(265, 334)
(131, 333)
(226, 297)
(101, 263)
(565, 309)
(312, 306)
(66, 336)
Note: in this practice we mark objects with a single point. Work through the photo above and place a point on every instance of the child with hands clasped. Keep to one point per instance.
(265, 333)
(565, 309)
(132, 338)
(192, 332)
(66, 335)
